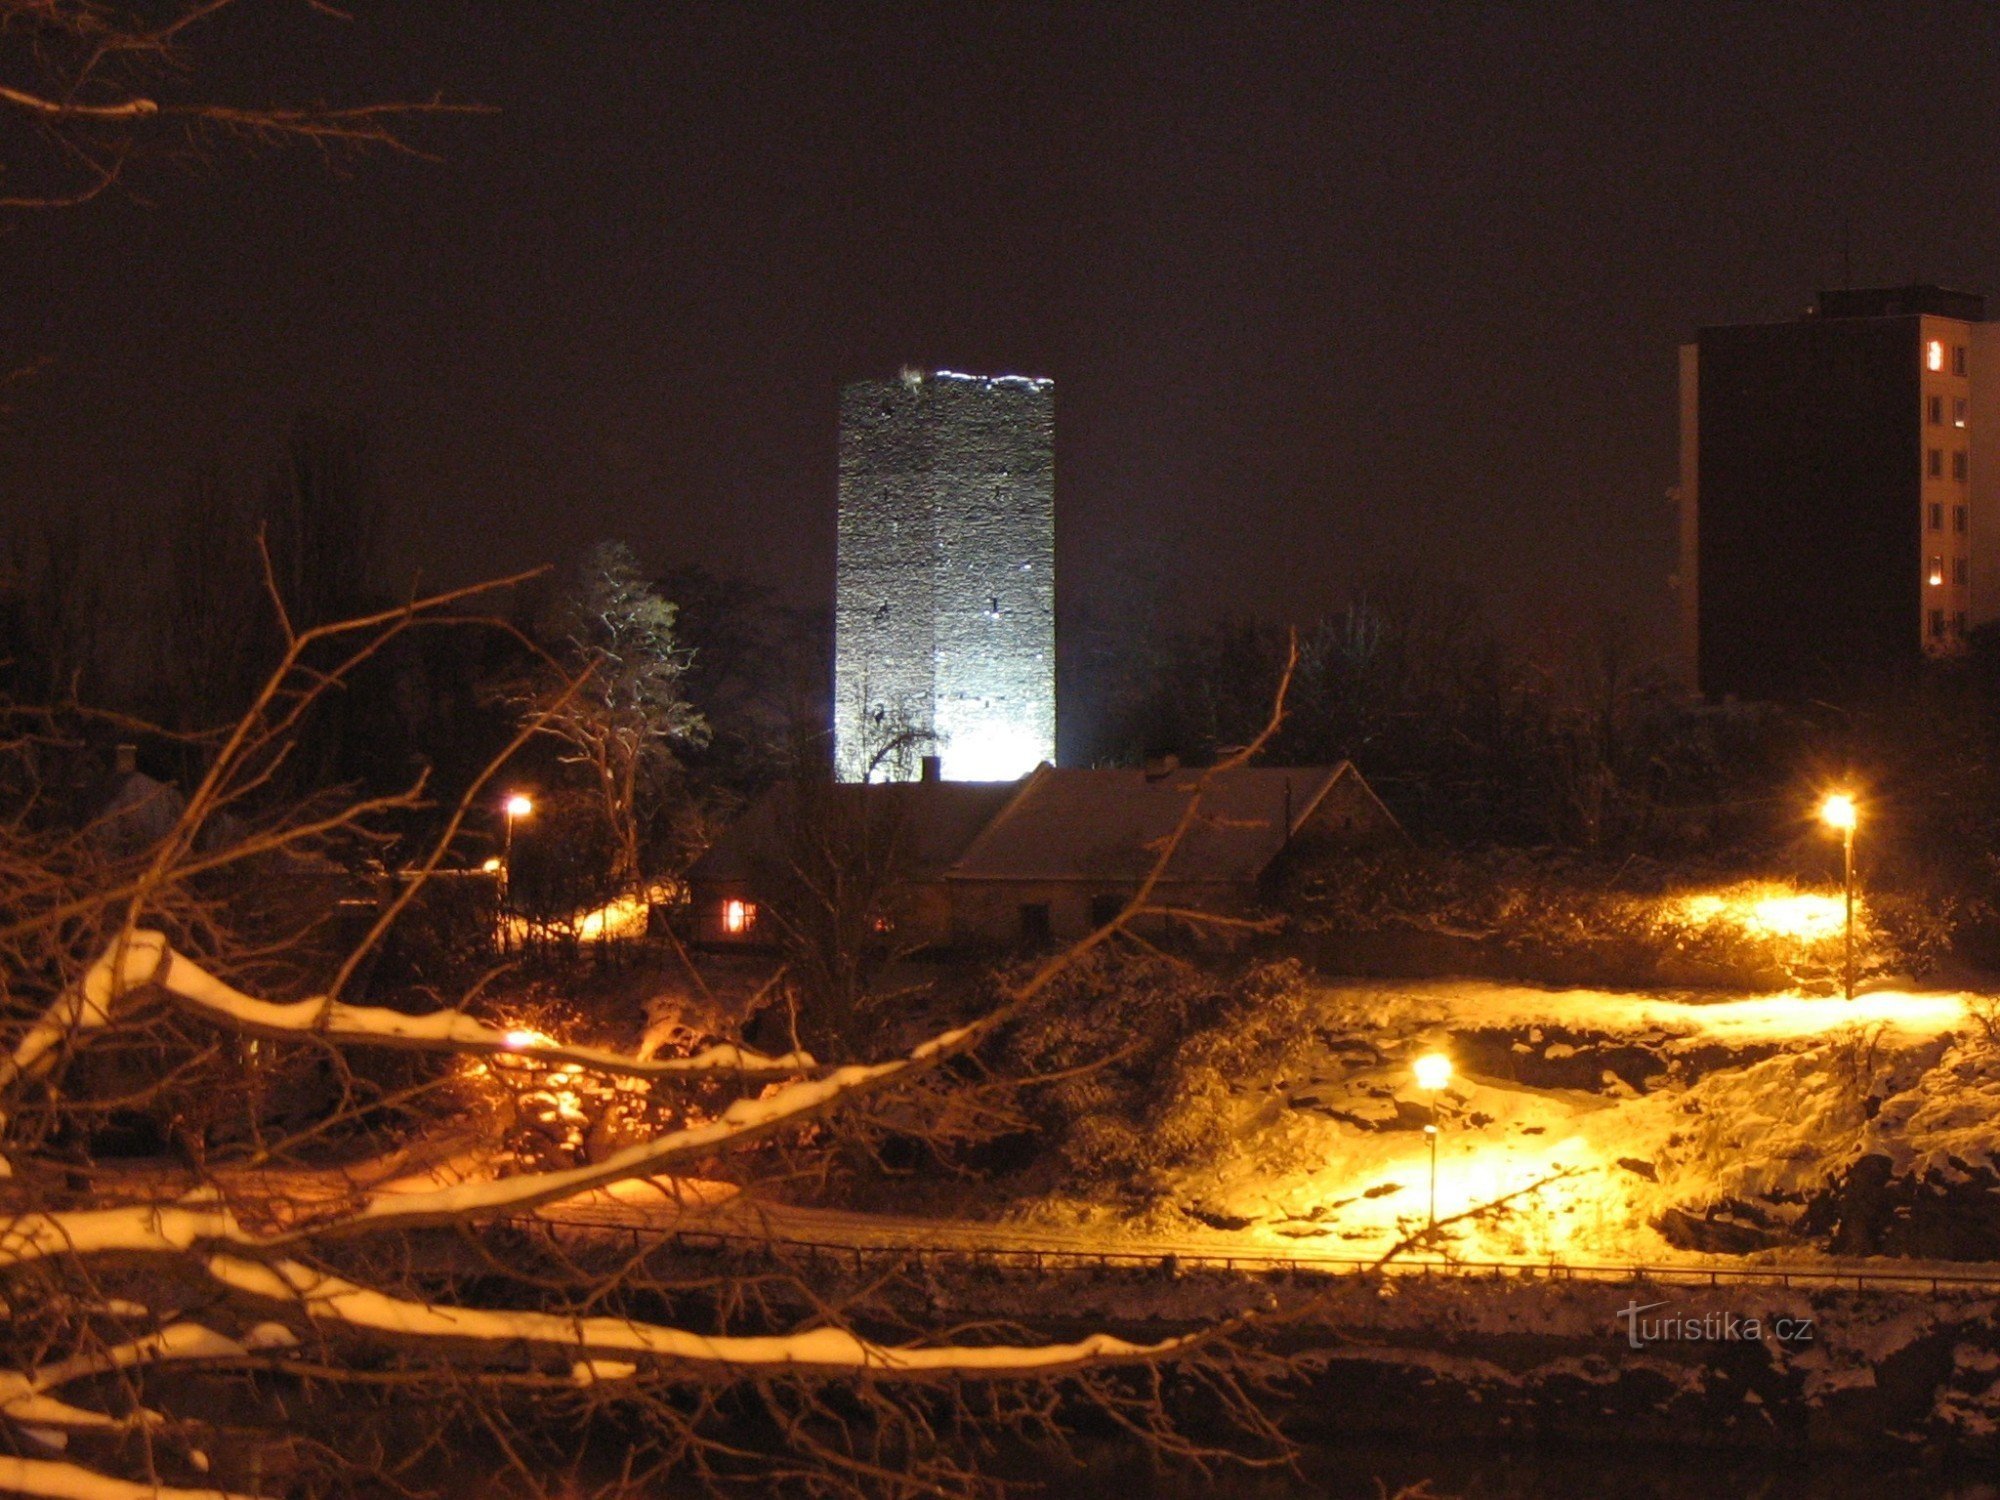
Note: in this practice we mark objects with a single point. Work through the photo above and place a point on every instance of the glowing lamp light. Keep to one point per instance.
(737, 915)
(519, 806)
(521, 1041)
(1838, 811)
(492, 865)
(1433, 1071)
(1934, 355)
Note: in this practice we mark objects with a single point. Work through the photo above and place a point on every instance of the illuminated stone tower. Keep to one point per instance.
(944, 620)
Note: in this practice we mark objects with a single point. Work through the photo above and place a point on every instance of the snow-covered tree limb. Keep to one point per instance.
(25, 1395)
(328, 1299)
(143, 959)
(193, 988)
(58, 1480)
(145, 1229)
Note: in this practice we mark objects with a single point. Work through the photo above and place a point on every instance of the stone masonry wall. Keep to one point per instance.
(945, 611)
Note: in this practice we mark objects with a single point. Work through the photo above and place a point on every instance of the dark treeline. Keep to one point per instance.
(1592, 748)
(158, 634)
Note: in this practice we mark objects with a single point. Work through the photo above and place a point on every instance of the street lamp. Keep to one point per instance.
(1838, 811)
(1433, 1072)
(519, 806)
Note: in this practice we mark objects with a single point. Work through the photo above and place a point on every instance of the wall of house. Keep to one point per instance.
(990, 912)
(1349, 812)
(922, 919)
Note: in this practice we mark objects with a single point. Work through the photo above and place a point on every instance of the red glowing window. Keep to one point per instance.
(738, 916)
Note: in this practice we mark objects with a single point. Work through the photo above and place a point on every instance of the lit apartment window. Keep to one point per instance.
(738, 917)
(1961, 572)
(1958, 470)
(1936, 463)
(1937, 571)
(1934, 411)
(1958, 519)
(1934, 355)
(1958, 411)
(1937, 515)
(1958, 359)
(1937, 624)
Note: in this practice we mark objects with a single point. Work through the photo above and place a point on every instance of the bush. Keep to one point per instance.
(1156, 1045)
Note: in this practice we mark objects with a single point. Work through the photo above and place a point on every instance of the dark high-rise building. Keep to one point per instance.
(1839, 479)
(944, 620)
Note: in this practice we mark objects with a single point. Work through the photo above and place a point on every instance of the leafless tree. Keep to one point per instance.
(291, 1258)
(611, 694)
(87, 87)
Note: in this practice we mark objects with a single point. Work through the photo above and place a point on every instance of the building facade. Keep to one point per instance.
(1837, 498)
(944, 615)
(1044, 859)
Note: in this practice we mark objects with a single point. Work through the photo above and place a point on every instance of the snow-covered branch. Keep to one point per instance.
(193, 988)
(85, 1005)
(144, 1229)
(143, 958)
(328, 1299)
(67, 1481)
(25, 1395)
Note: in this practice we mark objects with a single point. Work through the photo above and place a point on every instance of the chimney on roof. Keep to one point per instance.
(933, 768)
(128, 760)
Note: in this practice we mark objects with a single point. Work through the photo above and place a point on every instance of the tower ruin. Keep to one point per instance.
(944, 617)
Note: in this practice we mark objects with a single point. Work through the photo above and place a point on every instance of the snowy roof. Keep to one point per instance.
(935, 819)
(1112, 824)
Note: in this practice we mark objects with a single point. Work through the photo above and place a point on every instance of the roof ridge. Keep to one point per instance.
(1028, 783)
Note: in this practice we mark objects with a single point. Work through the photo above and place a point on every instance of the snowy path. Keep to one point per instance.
(752, 1222)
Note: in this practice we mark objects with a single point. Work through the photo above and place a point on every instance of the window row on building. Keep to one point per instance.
(1934, 411)
(1934, 357)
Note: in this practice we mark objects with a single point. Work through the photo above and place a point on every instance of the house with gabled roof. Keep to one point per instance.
(1072, 847)
(1043, 859)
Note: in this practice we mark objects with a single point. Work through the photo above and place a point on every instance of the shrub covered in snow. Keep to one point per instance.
(1157, 1047)
(1544, 915)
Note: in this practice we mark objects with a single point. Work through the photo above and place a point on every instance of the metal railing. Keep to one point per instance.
(1001, 1256)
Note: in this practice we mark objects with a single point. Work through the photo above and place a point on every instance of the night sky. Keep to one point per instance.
(1325, 291)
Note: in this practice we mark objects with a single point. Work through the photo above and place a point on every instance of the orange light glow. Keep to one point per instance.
(1937, 572)
(737, 916)
(1767, 911)
(1433, 1071)
(519, 806)
(1934, 355)
(1838, 812)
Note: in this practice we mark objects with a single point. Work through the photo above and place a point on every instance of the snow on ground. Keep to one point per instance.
(1623, 1106)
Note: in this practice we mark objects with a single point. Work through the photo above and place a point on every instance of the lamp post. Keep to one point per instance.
(519, 806)
(1838, 811)
(1433, 1072)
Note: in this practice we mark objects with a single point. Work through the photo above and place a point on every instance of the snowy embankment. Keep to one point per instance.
(1664, 1128)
